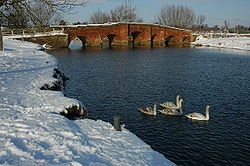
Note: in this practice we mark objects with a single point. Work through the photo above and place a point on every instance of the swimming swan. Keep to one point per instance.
(172, 105)
(170, 111)
(198, 116)
(148, 110)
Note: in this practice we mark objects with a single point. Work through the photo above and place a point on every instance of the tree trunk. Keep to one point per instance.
(1, 39)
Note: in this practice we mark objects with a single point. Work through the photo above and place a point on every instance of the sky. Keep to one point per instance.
(236, 12)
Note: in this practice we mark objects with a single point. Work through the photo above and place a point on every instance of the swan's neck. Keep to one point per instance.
(207, 112)
(177, 99)
(178, 104)
(154, 109)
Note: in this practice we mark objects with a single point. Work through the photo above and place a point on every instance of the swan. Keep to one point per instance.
(198, 116)
(171, 111)
(148, 110)
(172, 105)
(44, 47)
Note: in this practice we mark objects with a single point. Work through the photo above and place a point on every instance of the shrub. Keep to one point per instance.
(57, 73)
(74, 112)
(57, 86)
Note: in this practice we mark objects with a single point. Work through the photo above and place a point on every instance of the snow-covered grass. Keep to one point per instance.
(242, 43)
(32, 131)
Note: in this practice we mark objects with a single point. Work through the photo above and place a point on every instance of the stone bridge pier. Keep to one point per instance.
(128, 35)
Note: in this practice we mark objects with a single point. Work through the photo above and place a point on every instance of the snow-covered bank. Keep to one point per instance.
(33, 133)
(242, 43)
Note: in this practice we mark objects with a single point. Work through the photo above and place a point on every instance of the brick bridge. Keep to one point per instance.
(127, 35)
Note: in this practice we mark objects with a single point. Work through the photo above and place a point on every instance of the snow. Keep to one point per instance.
(242, 43)
(32, 132)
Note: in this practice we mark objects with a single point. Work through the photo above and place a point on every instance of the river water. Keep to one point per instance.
(118, 81)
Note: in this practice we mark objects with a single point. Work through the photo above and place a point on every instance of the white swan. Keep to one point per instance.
(172, 105)
(44, 47)
(148, 110)
(170, 111)
(198, 116)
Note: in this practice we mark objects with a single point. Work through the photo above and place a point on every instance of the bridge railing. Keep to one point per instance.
(31, 31)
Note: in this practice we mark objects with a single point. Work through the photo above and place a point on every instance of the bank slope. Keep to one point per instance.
(33, 133)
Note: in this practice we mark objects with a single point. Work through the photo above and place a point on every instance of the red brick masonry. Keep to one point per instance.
(128, 35)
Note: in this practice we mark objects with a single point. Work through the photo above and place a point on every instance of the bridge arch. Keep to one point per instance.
(82, 39)
(132, 38)
(152, 40)
(111, 39)
(186, 40)
(168, 40)
(107, 41)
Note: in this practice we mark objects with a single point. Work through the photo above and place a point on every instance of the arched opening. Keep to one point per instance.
(168, 41)
(186, 41)
(111, 38)
(107, 41)
(152, 40)
(83, 40)
(78, 42)
(132, 38)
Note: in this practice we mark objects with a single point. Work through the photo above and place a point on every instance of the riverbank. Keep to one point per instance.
(240, 43)
(32, 132)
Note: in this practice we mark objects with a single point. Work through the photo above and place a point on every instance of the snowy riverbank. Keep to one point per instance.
(33, 133)
(241, 43)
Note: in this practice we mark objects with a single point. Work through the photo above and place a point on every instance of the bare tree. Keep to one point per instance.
(200, 21)
(1, 39)
(43, 15)
(123, 13)
(226, 25)
(14, 17)
(99, 17)
(59, 5)
(64, 5)
(177, 16)
(40, 12)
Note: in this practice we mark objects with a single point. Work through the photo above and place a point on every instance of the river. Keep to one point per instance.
(118, 81)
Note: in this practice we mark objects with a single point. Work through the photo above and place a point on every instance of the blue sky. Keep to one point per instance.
(216, 11)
